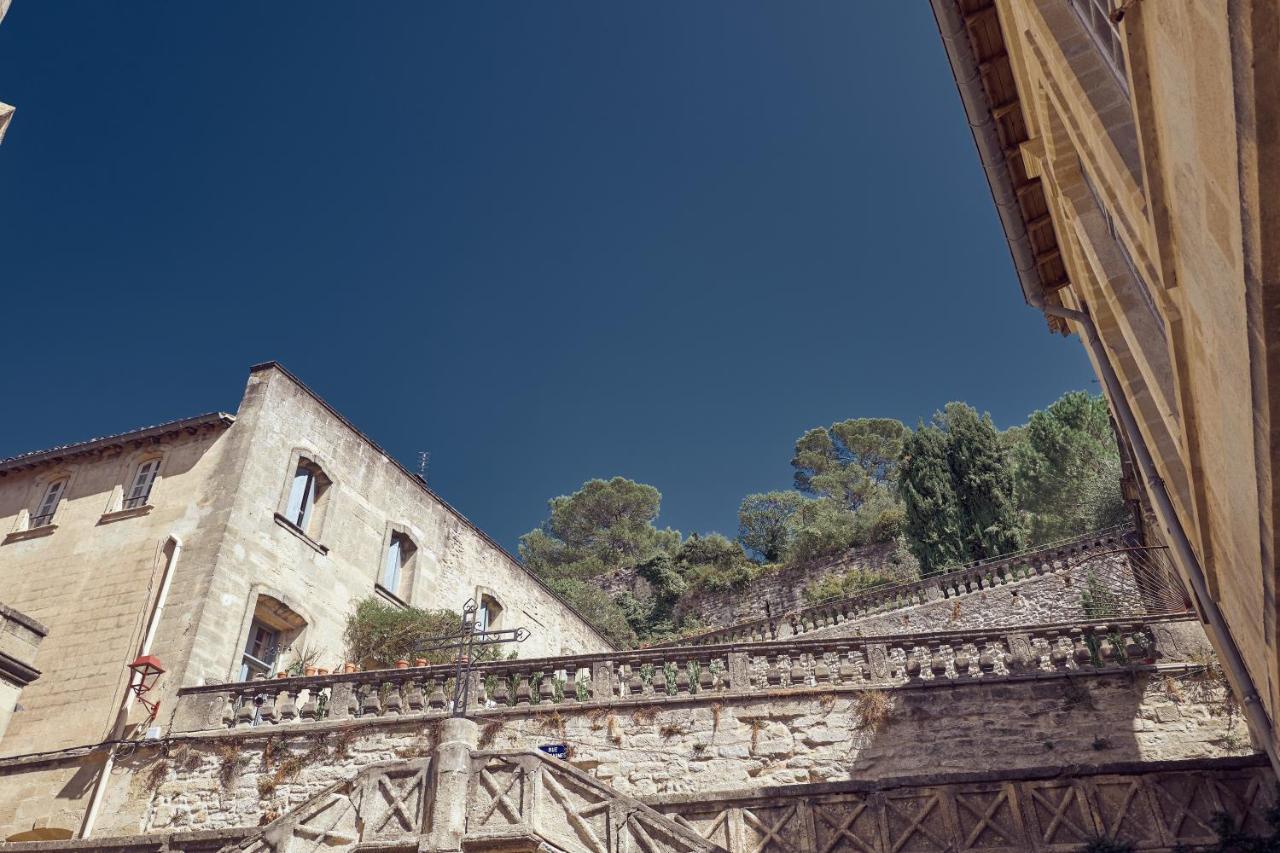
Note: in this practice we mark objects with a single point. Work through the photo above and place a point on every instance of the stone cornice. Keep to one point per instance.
(159, 432)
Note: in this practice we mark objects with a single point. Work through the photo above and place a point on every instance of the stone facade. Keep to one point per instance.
(208, 556)
(647, 748)
(1133, 161)
(20, 638)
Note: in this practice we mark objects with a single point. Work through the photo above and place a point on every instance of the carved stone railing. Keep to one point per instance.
(694, 672)
(970, 578)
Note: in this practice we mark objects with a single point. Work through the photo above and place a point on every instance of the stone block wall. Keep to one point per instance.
(658, 745)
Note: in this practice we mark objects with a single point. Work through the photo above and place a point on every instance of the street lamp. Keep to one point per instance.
(147, 668)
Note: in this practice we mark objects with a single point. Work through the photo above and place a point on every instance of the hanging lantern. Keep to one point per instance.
(148, 670)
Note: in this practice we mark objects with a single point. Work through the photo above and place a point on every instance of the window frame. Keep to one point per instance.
(321, 485)
(400, 592)
(55, 488)
(128, 499)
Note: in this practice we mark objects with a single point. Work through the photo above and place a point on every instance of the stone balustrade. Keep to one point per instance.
(970, 578)
(693, 672)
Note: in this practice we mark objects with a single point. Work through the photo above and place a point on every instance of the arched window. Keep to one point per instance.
(396, 576)
(488, 614)
(305, 493)
(140, 489)
(273, 628)
(43, 515)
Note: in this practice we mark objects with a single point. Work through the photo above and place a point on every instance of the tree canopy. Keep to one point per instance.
(603, 525)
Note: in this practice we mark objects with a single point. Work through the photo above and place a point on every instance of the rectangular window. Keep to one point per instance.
(259, 652)
(140, 491)
(49, 504)
(1096, 15)
(302, 496)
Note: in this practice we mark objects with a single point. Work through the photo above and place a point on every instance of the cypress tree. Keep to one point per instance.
(933, 517)
(982, 479)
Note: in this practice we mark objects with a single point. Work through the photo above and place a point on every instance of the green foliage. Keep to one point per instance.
(1098, 601)
(843, 585)
(956, 482)
(713, 562)
(603, 525)
(931, 511)
(1067, 468)
(821, 527)
(982, 478)
(764, 523)
(607, 616)
(847, 459)
(377, 634)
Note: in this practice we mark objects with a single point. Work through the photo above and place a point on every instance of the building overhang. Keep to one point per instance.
(981, 66)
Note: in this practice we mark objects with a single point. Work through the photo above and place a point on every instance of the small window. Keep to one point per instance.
(260, 652)
(309, 485)
(49, 504)
(143, 480)
(396, 576)
(489, 614)
(1099, 19)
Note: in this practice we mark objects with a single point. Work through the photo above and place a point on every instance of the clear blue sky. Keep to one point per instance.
(546, 241)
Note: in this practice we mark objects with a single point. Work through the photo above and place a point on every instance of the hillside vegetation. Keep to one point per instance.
(951, 490)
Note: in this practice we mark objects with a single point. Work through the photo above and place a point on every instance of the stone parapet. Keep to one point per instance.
(702, 671)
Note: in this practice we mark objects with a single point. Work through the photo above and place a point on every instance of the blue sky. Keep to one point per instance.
(545, 241)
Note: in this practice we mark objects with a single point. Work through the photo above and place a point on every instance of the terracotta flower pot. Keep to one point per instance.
(322, 671)
(349, 667)
(420, 662)
(282, 674)
(309, 671)
(402, 664)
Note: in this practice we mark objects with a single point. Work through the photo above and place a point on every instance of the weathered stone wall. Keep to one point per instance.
(1035, 600)
(776, 591)
(20, 638)
(646, 746)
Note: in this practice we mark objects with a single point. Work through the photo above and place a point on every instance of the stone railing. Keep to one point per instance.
(970, 578)
(694, 672)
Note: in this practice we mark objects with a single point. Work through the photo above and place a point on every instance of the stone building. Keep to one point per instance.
(230, 547)
(1133, 155)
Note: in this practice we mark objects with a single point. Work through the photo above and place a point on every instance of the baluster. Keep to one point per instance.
(796, 676)
(937, 659)
(706, 679)
(772, 675)
(435, 699)
(913, 663)
(372, 704)
(635, 684)
(229, 709)
(683, 683)
(1058, 656)
(413, 698)
(394, 703)
(546, 688)
(845, 670)
(310, 710)
(501, 691)
(821, 671)
(286, 708)
(570, 681)
(523, 695)
(962, 661)
(986, 655)
(247, 711)
(1079, 650)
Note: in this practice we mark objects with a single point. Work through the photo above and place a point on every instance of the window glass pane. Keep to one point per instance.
(300, 495)
(143, 479)
(391, 566)
(50, 501)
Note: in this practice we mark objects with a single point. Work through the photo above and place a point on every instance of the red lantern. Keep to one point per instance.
(148, 670)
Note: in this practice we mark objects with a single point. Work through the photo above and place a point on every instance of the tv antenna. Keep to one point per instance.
(424, 458)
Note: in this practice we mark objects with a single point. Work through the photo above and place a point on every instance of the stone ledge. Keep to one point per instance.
(29, 533)
(121, 514)
(300, 533)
